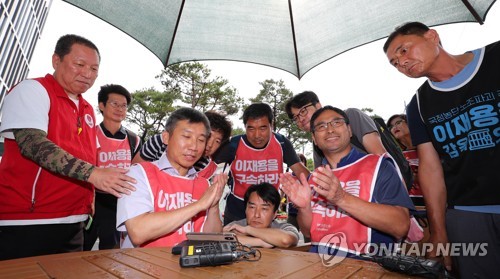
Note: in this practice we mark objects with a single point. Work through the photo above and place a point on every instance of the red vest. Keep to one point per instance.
(173, 192)
(357, 179)
(209, 170)
(253, 166)
(31, 192)
(412, 158)
(113, 153)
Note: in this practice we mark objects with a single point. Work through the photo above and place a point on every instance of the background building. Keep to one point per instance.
(21, 23)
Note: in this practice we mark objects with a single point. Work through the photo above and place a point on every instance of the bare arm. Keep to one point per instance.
(390, 219)
(431, 179)
(373, 144)
(35, 145)
(152, 225)
(299, 168)
(273, 236)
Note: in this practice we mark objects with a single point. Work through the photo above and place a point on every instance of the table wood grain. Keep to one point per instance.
(160, 263)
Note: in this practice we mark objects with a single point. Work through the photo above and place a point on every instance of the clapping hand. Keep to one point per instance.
(299, 193)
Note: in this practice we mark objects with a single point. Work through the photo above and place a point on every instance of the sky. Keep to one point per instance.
(360, 78)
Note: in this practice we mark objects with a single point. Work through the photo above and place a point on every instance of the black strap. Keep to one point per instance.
(132, 140)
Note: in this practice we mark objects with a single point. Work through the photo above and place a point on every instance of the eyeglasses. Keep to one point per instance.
(118, 105)
(337, 122)
(397, 123)
(302, 112)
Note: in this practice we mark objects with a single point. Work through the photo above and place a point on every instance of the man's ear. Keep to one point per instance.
(433, 36)
(101, 106)
(314, 140)
(56, 60)
(165, 136)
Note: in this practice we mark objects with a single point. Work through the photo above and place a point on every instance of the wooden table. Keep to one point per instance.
(160, 263)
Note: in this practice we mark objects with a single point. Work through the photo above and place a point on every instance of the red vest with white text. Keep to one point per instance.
(357, 179)
(171, 193)
(113, 153)
(30, 192)
(253, 166)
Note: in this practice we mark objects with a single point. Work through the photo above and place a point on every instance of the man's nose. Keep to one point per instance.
(256, 213)
(87, 72)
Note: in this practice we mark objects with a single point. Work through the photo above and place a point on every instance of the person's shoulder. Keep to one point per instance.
(281, 138)
(237, 138)
(413, 103)
(28, 85)
(353, 111)
(494, 45)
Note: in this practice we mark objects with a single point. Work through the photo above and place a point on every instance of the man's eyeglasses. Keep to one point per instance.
(118, 105)
(396, 124)
(302, 112)
(337, 122)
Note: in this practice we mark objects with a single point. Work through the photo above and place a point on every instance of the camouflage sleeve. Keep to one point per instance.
(35, 145)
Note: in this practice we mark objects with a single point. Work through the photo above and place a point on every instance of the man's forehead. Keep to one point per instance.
(255, 198)
(188, 127)
(216, 134)
(327, 115)
(258, 121)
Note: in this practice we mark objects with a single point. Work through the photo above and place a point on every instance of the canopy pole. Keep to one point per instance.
(175, 33)
(473, 11)
(294, 39)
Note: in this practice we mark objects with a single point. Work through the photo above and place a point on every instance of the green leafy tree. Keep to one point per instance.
(237, 131)
(276, 95)
(193, 83)
(149, 111)
(370, 113)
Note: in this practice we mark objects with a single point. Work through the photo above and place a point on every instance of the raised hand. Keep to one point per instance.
(327, 184)
(298, 192)
(213, 194)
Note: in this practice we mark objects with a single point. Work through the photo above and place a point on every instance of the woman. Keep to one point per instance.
(399, 129)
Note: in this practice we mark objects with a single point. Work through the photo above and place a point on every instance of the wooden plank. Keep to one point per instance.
(32, 271)
(115, 268)
(72, 268)
(150, 265)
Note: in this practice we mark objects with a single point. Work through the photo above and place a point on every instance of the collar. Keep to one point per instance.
(462, 77)
(165, 165)
(352, 156)
(122, 131)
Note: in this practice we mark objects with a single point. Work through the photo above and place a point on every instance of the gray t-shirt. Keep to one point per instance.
(274, 225)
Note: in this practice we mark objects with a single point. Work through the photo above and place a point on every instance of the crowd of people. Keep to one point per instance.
(66, 181)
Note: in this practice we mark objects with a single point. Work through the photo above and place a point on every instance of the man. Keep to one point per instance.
(171, 198)
(118, 146)
(48, 168)
(356, 194)
(301, 107)
(454, 124)
(220, 131)
(260, 228)
(255, 157)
